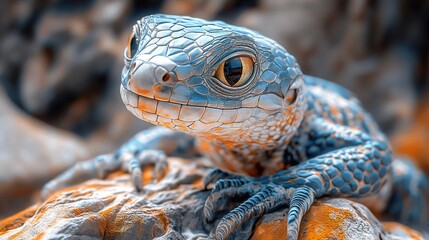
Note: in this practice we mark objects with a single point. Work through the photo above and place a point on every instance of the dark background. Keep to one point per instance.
(60, 64)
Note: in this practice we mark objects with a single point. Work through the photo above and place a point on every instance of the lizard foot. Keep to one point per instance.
(102, 165)
(216, 174)
(133, 163)
(263, 197)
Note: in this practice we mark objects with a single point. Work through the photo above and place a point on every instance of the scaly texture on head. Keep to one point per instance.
(212, 80)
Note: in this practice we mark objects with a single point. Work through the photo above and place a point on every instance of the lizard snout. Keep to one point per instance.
(149, 71)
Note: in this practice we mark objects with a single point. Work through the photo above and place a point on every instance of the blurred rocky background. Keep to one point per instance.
(60, 64)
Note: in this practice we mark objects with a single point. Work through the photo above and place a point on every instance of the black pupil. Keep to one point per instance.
(133, 46)
(232, 70)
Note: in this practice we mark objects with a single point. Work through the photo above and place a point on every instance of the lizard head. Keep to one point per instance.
(212, 80)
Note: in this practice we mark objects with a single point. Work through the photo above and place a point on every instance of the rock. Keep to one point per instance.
(111, 209)
(31, 152)
(334, 219)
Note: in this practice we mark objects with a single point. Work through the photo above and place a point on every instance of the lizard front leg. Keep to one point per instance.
(147, 147)
(354, 165)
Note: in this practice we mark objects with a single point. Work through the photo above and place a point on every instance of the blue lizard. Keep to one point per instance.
(278, 137)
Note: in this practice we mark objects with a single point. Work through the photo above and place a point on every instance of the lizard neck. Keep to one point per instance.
(252, 160)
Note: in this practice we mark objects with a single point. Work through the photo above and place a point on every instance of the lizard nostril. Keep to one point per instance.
(166, 77)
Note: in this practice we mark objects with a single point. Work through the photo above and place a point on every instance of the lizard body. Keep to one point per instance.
(278, 136)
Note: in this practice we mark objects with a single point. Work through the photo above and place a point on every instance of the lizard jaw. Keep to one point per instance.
(170, 115)
(233, 128)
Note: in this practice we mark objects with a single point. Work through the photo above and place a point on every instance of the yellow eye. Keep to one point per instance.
(235, 71)
(132, 45)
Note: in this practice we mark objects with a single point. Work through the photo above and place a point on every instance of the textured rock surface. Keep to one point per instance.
(31, 152)
(110, 209)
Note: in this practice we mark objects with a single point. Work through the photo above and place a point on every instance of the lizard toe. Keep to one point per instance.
(97, 167)
(265, 199)
(156, 158)
(136, 179)
(132, 163)
(214, 175)
(301, 200)
(227, 189)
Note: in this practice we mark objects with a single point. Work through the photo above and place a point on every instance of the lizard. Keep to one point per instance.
(277, 137)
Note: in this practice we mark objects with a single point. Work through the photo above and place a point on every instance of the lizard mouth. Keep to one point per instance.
(173, 115)
(238, 127)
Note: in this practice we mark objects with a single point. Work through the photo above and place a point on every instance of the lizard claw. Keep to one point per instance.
(133, 164)
(136, 179)
(97, 167)
(225, 188)
(216, 174)
(264, 199)
(301, 200)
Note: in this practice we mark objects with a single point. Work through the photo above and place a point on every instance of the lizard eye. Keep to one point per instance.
(132, 45)
(235, 71)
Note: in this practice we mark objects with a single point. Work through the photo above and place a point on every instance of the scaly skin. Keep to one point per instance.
(281, 138)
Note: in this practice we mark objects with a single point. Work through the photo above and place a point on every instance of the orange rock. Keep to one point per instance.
(334, 219)
(173, 208)
(271, 227)
(111, 209)
(17, 220)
